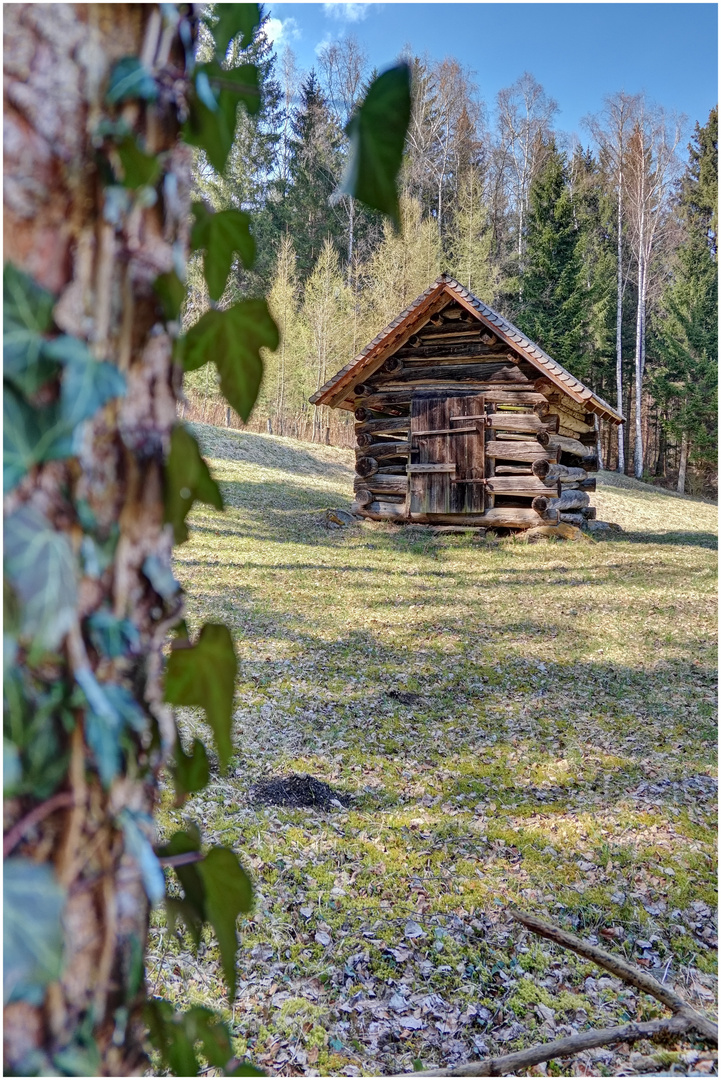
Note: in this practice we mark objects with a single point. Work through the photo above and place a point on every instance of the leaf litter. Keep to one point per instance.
(500, 746)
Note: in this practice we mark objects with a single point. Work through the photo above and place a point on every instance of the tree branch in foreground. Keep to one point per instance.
(684, 1017)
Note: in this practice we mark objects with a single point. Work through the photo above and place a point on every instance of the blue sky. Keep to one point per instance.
(579, 52)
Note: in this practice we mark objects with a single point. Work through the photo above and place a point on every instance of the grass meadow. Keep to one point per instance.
(525, 723)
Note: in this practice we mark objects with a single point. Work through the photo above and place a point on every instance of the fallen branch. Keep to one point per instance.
(622, 970)
(683, 1019)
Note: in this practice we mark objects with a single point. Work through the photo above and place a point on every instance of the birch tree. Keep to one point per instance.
(525, 118)
(611, 130)
(326, 311)
(652, 168)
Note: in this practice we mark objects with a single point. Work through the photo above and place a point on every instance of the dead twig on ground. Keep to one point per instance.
(684, 1018)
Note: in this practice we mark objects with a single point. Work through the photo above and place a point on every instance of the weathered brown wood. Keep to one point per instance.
(571, 446)
(382, 481)
(499, 372)
(565, 473)
(393, 363)
(521, 422)
(515, 451)
(573, 519)
(513, 470)
(416, 352)
(567, 500)
(391, 448)
(365, 414)
(505, 517)
(519, 485)
(384, 426)
(363, 496)
(452, 457)
(520, 436)
(589, 484)
(366, 466)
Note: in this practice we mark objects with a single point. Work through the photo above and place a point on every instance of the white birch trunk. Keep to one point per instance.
(683, 463)
(621, 467)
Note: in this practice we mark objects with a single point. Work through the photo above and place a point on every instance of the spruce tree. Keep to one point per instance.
(552, 304)
(686, 333)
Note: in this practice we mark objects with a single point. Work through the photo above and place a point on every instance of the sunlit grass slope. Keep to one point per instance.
(553, 745)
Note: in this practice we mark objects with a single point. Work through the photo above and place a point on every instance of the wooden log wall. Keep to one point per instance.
(539, 443)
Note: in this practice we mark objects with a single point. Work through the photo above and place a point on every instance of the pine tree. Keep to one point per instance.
(552, 310)
(686, 334)
(301, 205)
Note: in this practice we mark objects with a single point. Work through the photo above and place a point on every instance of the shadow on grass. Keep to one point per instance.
(673, 539)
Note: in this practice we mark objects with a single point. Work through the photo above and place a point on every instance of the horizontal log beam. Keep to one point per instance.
(567, 500)
(458, 350)
(392, 448)
(500, 372)
(384, 426)
(516, 451)
(519, 485)
(566, 473)
(571, 446)
(382, 482)
(523, 422)
(503, 517)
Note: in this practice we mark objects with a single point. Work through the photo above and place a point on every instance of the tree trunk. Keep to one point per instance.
(101, 269)
(681, 486)
(639, 363)
(621, 466)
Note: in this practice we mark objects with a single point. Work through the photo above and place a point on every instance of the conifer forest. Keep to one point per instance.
(603, 251)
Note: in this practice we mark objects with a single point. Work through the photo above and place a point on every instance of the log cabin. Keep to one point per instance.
(462, 420)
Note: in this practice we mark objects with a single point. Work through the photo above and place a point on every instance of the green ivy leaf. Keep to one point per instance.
(233, 338)
(12, 769)
(139, 169)
(245, 1069)
(33, 902)
(222, 235)
(377, 133)
(87, 383)
(204, 674)
(130, 79)
(187, 480)
(40, 567)
(169, 1036)
(171, 292)
(228, 892)
(30, 436)
(234, 19)
(214, 106)
(27, 315)
(191, 772)
(180, 911)
(112, 637)
(136, 827)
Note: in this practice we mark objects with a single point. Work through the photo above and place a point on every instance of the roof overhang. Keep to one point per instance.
(338, 390)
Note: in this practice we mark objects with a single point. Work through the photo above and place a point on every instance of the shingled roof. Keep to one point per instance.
(340, 386)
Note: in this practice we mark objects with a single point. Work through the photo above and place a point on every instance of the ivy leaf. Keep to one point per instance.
(214, 106)
(228, 892)
(136, 827)
(233, 338)
(221, 234)
(234, 19)
(33, 902)
(377, 133)
(168, 1034)
(139, 169)
(87, 383)
(187, 480)
(184, 843)
(12, 768)
(160, 577)
(27, 315)
(40, 566)
(171, 292)
(103, 727)
(191, 771)
(113, 637)
(30, 436)
(130, 79)
(204, 674)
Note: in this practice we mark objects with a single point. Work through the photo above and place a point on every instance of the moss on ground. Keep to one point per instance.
(558, 753)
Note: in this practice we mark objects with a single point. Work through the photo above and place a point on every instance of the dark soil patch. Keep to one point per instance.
(297, 790)
(405, 697)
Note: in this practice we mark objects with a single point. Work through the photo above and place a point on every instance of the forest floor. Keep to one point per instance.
(513, 723)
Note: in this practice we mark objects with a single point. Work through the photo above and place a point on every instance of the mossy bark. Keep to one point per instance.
(101, 267)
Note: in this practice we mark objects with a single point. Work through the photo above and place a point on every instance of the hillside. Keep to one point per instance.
(498, 740)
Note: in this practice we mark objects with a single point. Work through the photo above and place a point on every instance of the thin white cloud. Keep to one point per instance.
(347, 12)
(282, 31)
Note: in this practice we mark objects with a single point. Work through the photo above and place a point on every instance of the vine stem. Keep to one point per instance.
(56, 802)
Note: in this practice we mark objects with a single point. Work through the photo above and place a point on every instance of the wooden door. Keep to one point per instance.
(447, 458)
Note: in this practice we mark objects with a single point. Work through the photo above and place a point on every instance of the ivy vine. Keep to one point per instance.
(52, 386)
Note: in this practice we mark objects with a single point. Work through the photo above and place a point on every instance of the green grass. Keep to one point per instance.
(559, 755)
